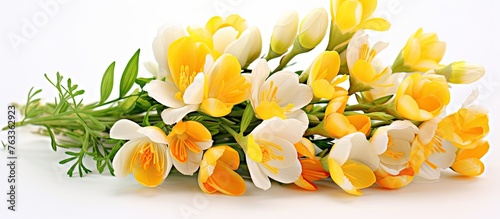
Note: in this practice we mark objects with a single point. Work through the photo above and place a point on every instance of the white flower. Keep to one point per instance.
(145, 154)
(270, 152)
(351, 163)
(431, 153)
(284, 33)
(393, 144)
(279, 95)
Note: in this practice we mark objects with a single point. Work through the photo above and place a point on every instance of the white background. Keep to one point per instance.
(81, 38)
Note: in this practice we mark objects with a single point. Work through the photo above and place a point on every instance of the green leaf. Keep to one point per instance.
(52, 138)
(383, 100)
(67, 160)
(129, 74)
(107, 82)
(143, 81)
(247, 117)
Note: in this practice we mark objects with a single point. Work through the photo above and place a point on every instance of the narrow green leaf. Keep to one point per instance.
(143, 81)
(67, 160)
(383, 100)
(129, 74)
(247, 117)
(107, 82)
(52, 138)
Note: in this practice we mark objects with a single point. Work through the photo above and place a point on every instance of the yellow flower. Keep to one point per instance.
(184, 85)
(230, 36)
(466, 127)
(339, 125)
(235, 21)
(187, 140)
(270, 152)
(461, 72)
(322, 75)
(422, 53)
(312, 29)
(279, 95)
(351, 15)
(351, 163)
(429, 152)
(365, 69)
(312, 169)
(284, 33)
(393, 145)
(145, 154)
(161, 44)
(226, 87)
(336, 124)
(422, 97)
(467, 162)
(217, 171)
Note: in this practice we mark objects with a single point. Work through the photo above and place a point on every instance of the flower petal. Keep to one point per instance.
(288, 129)
(192, 164)
(123, 158)
(173, 115)
(125, 129)
(164, 93)
(154, 133)
(258, 176)
(195, 91)
(215, 107)
(286, 175)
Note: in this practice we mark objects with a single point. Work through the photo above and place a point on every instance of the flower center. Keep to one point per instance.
(186, 78)
(146, 156)
(367, 54)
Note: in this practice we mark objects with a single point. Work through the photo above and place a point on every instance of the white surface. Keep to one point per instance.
(83, 37)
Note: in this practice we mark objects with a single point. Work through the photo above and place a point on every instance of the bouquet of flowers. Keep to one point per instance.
(213, 107)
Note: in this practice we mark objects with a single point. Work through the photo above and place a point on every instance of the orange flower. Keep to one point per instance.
(217, 171)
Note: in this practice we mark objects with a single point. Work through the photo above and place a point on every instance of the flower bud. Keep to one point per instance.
(284, 32)
(461, 72)
(313, 28)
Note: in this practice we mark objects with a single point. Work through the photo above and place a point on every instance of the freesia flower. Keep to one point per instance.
(183, 89)
(422, 97)
(422, 53)
(161, 44)
(279, 95)
(187, 140)
(322, 75)
(230, 36)
(351, 15)
(284, 33)
(270, 152)
(312, 29)
(351, 163)
(467, 161)
(226, 87)
(393, 145)
(145, 154)
(336, 124)
(430, 153)
(461, 72)
(365, 69)
(466, 127)
(217, 171)
(312, 169)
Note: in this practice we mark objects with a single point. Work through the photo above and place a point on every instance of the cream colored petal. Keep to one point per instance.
(258, 176)
(195, 91)
(174, 115)
(123, 158)
(154, 133)
(164, 93)
(288, 129)
(223, 37)
(192, 164)
(286, 175)
(125, 129)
